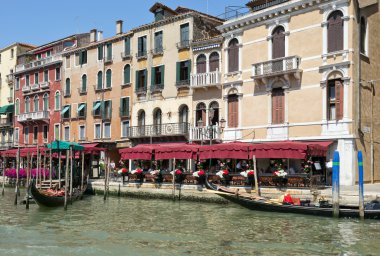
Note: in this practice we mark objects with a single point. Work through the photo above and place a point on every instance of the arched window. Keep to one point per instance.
(201, 64)
(109, 78)
(335, 99)
(278, 42)
(46, 102)
(67, 87)
(335, 31)
(233, 111)
(157, 120)
(99, 84)
(233, 55)
(213, 113)
(17, 107)
(278, 106)
(57, 101)
(84, 84)
(27, 104)
(141, 122)
(127, 74)
(214, 62)
(363, 35)
(35, 103)
(200, 114)
(184, 114)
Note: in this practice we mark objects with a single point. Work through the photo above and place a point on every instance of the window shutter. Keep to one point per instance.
(126, 106)
(127, 74)
(339, 99)
(162, 69)
(214, 62)
(335, 32)
(109, 114)
(109, 78)
(127, 46)
(100, 52)
(100, 80)
(233, 111)
(109, 51)
(80, 58)
(137, 80)
(178, 72)
(93, 106)
(145, 78)
(278, 43)
(188, 70)
(122, 112)
(153, 77)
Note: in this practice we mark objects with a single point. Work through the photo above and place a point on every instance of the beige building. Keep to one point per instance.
(291, 72)
(8, 61)
(163, 62)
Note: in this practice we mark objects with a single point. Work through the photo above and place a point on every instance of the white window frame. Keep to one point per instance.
(64, 132)
(84, 134)
(26, 139)
(121, 127)
(59, 131)
(100, 136)
(16, 138)
(104, 129)
(60, 74)
(43, 131)
(35, 141)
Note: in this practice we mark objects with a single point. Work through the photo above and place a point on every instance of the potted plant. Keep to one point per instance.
(200, 175)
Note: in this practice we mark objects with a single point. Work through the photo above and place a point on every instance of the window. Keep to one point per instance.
(141, 46)
(81, 58)
(68, 61)
(335, 31)
(278, 106)
(67, 87)
(107, 130)
(278, 43)
(83, 87)
(233, 55)
(0, 58)
(233, 111)
(66, 112)
(214, 62)
(57, 74)
(124, 107)
(158, 48)
(200, 114)
(97, 131)
(127, 74)
(335, 100)
(12, 53)
(46, 75)
(141, 122)
(157, 121)
(17, 135)
(17, 107)
(157, 82)
(48, 53)
(46, 131)
(125, 129)
(141, 82)
(27, 104)
(363, 36)
(17, 83)
(35, 134)
(82, 107)
(99, 84)
(35, 103)
(56, 132)
(100, 52)
(96, 108)
(39, 56)
(213, 113)
(66, 133)
(184, 114)
(45, 102)
(109, 52)
(26, 135)
(82, 132)
(183, 72)
(36, 78)
(57, 101)
(27, 80)
(107, 111)
(201, 64)
(109, 78)
(184, 34)
(127, 46)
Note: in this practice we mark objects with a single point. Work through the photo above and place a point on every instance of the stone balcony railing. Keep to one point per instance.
(44, 85)
(275, 67)
(9, 79)
(4, 122)
(33, 116)
(35, 87)
(26, 88)
(204, 80)
(169, 129)
(39, 63)
(205, 133)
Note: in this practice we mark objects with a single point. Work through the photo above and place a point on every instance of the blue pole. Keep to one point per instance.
(361, 186)
(335, 184)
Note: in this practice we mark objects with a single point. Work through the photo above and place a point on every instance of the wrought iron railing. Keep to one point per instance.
(169, 129)
(205, 133)
(280, 65)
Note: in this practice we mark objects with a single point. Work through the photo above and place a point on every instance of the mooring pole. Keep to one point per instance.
(4, 167)
(17, 172)
(82, 176)
(174, 179)
(66, 177)
(51, 166)
(335, 184)
(255, 176)
(71, 174)
(361, 186)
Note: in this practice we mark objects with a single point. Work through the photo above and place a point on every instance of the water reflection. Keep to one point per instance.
(123, 226)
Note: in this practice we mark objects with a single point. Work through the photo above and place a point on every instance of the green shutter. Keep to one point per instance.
(109, 109)
(80, 58)
(178, 72)
(137, 80)
(100, 80)
(93, 106)
(126, 106)
(100, 52)
(121, 107)
(153, 78)
(127, 74)
(127, 46)
(109, 51)
(188, 69)
(162, 68)
(145, 80)
(109, 77)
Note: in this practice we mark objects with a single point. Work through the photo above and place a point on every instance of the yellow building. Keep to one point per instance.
(291, 72)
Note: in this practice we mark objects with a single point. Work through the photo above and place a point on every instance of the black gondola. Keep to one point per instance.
(263, 204)
(44, 199)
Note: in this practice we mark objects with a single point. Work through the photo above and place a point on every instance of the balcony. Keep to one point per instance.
(33, 116)
(141, 55)
(126, 55)
(206, 80)
(157, 88)
(183, 83)
(10, 99)
(44, 85)
(35, 87)
(184, 44)
(158, 51)
(5, 122)
(39, 63)
(141, 90)
(26, 88)
(286, 67)
(9, 79)
(6, 144)
(205, 133)
(257, 5)
(147, 131)
(108, 60)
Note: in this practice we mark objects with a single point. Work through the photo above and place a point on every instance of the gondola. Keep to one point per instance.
(372, 210)
(43, 198)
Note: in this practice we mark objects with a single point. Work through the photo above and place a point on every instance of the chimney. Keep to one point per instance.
(93, 35)
(100, 35)
(119, 27)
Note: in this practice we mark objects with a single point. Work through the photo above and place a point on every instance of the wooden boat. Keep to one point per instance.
(264, 204)
(43, 198)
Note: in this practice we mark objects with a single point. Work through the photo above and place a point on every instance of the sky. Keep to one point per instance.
(38, 22)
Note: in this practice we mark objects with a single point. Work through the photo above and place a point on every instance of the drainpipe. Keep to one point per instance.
(372, 146)
(358, 79)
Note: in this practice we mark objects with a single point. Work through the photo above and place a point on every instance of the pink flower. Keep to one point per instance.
(225, 172)
(250, 173)
(178, 172)
(201, 173)
(138, 171)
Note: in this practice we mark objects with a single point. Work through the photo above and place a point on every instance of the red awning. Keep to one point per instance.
(234, 150)
(23, 152)
(92, 148)
(176, 150)
(140, 152)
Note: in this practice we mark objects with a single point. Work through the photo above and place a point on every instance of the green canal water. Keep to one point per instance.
(126, 226)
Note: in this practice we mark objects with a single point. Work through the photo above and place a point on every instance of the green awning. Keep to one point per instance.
(64, 110)
(81, 107)
(6, 109)
(97, 105)
(64, 145)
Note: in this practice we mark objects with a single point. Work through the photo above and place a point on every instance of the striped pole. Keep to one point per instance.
(335, 184)
(361, 186)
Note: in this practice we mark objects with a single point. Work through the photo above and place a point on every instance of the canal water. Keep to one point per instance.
(127, 226)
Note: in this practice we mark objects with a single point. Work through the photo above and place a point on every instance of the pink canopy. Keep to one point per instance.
(235, 150)
(177, 151)
(23, 152)
(140, 152)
